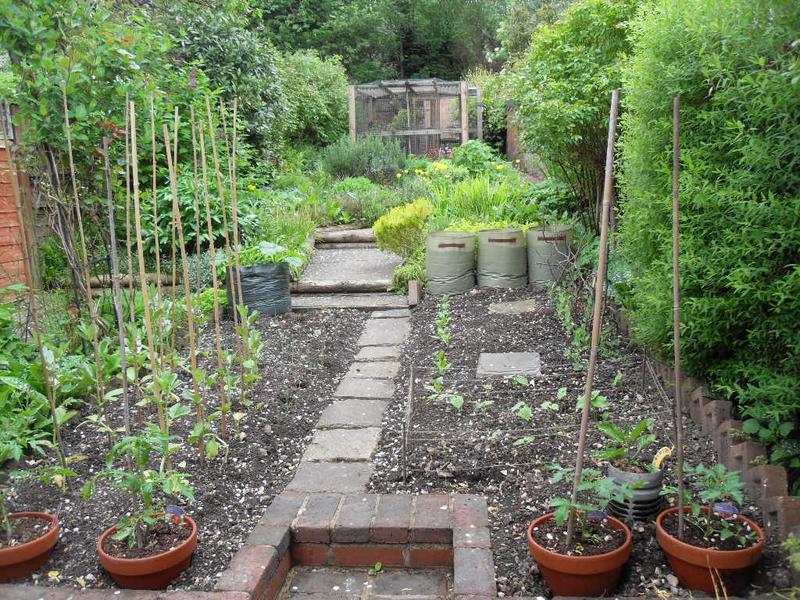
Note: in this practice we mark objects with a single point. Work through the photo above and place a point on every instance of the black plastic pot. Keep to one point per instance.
(265, 288)
(646, 501)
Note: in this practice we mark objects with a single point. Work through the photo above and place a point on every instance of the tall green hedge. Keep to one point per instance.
(735, 65)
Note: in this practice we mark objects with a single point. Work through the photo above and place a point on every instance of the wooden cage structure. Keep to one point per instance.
(427, 116)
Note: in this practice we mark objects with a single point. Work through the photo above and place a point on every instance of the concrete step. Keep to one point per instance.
(327, 236)
(383, 301)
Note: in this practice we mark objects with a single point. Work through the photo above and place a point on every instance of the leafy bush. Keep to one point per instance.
(494, 105)
(740, 200)
(402, 229)
(368, 156)
(316, 93)
(412, 267)
(476, 157)
(561, 88)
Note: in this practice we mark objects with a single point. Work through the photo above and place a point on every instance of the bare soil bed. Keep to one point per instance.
(305, 356)
(488, 449)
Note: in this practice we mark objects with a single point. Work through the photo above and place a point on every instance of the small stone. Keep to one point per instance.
(672, 580)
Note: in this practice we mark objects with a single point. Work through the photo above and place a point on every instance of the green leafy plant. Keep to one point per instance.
(367, 156)
(477, 158)
(441, 362)
(625, 444)
(598, 402)
(402, 229)
(712, 497)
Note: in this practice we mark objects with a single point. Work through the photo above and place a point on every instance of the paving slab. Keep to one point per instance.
(383, 369)
(340, 477)
(509, 363)
(385, 332)
(391, 314)
(350, 265)
(361, 387)
(516, 307)
(353, 413)
(402, 582)
(373, 353)
(309, 580)
(358, 301)
(342, 444)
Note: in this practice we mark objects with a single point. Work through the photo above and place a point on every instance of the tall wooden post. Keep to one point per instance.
(676, 300)
(464, 113)
(351, 110)
(597, 319)
(479, 111)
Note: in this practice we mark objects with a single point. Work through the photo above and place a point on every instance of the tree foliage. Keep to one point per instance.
(736, 67)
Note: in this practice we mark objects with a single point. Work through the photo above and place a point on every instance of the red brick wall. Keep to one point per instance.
(12, 263)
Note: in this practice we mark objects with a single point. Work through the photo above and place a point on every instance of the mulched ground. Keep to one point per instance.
(473, 450)
(306, 354)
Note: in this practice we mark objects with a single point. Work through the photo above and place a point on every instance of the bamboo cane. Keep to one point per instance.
(215, 286)
(173, 296)
(156, 232)
(199, 283)
(676, 300)
(37, 332)
(597, 318)
(137, 209)
(117, 292)
(98, 368)
(187, 289)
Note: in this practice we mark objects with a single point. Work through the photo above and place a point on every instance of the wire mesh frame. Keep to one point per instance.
(424, 115)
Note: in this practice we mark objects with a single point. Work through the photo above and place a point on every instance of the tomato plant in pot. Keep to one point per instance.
(591, 564)
(264, 273)
(154, 542)
(719, 546)
(630, 463)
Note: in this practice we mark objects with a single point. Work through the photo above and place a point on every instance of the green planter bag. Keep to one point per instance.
(502, 262)
(548, 252)
(450, 262)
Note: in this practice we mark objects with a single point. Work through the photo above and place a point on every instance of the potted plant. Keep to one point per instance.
(628, 463)
(264, 274)
(154, 543)
(719, 546)
(591, 564)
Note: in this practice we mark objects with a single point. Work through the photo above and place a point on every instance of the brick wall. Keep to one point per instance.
(12, 263)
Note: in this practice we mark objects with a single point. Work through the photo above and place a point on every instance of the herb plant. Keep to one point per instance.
(624, 445)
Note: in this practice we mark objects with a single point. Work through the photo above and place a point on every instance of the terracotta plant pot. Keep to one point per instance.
(693, 566)
(20, 561)
(153, 572)
(580, 575)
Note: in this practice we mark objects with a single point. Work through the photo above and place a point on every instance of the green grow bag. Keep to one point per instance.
(502, 262)
(450, 262)
(548, 252)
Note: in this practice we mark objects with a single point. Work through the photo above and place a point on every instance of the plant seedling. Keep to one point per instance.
(440, 360)
(482, 405)
(374, 570)
(599, 402)
(523, 411)
(624, 445)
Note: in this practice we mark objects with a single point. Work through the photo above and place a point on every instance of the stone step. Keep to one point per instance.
(346, 236)
(364, 301)
(340, 286)
(344, 245)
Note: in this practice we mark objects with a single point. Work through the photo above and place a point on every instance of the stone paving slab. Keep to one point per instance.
(309, 580)
(342, 444)
(342, 477)
(385, 332)
(516, 307)
(391, 314)
(372, 353)
(509, 363)
(384, 369)
(352, 387)
(351, 265)
(353, 413)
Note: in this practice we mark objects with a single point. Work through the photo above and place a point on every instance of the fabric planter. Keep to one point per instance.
(502, 262)
(548, 252)
(450, 262)
(265, 288)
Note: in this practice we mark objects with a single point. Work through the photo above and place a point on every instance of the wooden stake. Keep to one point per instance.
(223, 424)
(128, 245)
(98, 367)
(137, 209)
(173, 334)
(597, 318)
(117, 292)
(676, 300)
(464, 113)
(187, 290)
(351, 111)
(199, 283)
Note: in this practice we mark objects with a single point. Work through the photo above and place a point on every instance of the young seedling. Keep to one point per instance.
(440, 360)
(624, 445)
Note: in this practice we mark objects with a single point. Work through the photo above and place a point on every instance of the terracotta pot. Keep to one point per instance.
(580, 575)
(20, 561)
(153, 572)
(692, 565)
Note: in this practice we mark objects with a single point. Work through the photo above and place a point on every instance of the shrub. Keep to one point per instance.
(368, 156)
(316, 94)
(494, 105)
(412, 267)
(740, 199)
(402, 229)
(476, 157)
(561, 88)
